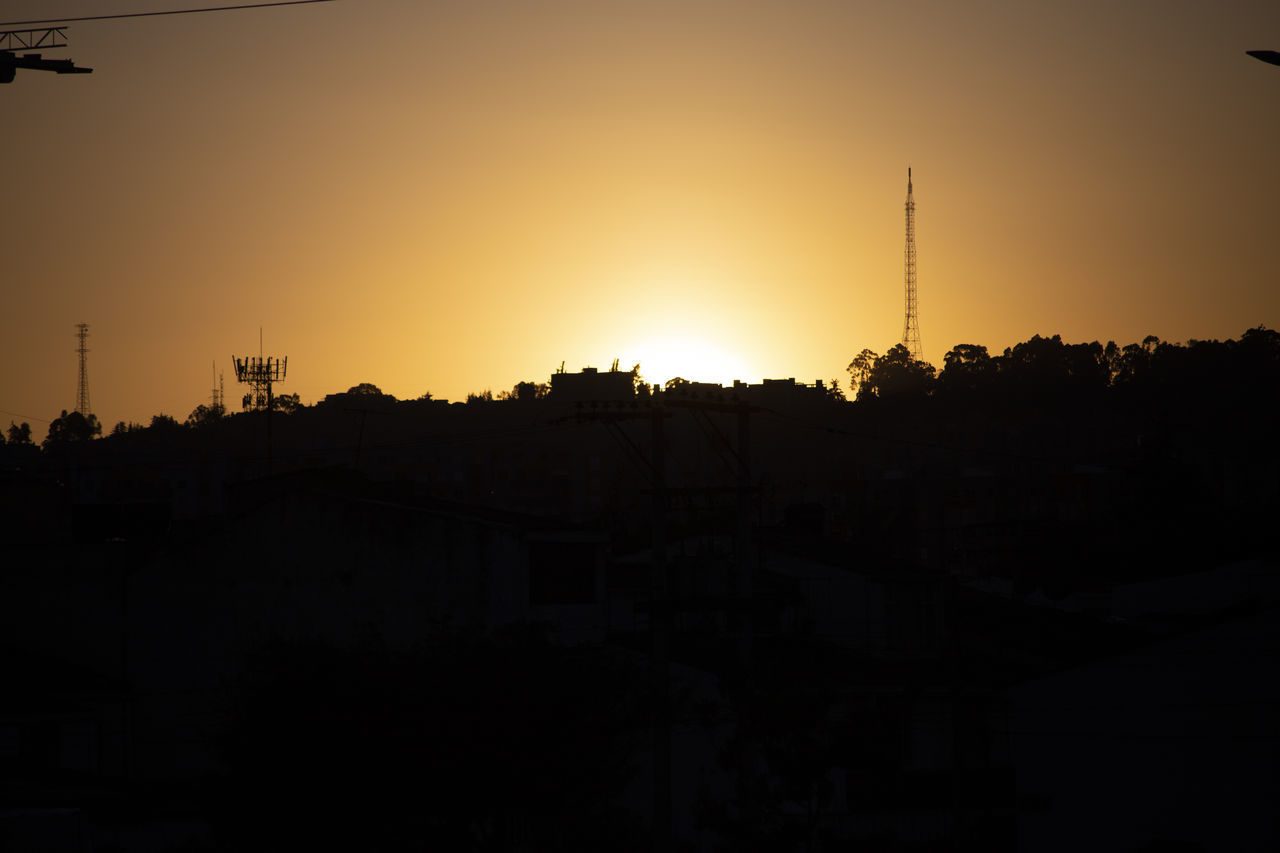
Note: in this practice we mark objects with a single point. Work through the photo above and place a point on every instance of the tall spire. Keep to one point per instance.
(911, 326)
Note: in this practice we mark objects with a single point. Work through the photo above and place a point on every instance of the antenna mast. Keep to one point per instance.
(911, 327)
(260, 374)
(82, 397)
(216, 395)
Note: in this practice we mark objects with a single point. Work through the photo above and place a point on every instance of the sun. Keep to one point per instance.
(695, 359)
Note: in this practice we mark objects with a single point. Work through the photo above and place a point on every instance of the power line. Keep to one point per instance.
(165, 12)
(25, 417)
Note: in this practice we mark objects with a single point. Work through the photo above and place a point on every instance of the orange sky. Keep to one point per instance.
(453, 196)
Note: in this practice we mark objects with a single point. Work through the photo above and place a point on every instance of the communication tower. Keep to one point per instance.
(216, 398)
(911, 327)
(260, 374)
(82, 397)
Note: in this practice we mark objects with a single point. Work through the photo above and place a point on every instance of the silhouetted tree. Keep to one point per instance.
(896, 375)
(201, 415)
(835, 392)
(286, 403)
(485, 396)
(860, 374)
(1258, 355)
(121, 428)
(1047, 368)
(1262, 345)
(20, 433)
(526, 391)
(365, 389)
(69, 428)
(967, 369)
(1127, 365)
(1086, 367)
(162, 422)
(638, 385)
(426, 395)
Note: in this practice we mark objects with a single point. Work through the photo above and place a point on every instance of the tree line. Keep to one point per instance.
(1049, 368)
(1043, 369)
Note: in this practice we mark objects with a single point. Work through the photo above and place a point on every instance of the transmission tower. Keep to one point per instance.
(216, 397)
(911, 327)
(82, 397)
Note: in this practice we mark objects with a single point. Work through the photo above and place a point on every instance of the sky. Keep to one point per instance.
(449, 197)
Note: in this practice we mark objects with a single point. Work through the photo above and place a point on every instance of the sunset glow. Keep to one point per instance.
(696, 360)
(466, 195)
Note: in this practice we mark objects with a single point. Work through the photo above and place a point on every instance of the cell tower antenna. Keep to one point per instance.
(911, 326)
(260, 374)
(82, 398)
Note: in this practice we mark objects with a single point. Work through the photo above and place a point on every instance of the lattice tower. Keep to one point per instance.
(911, 326)
(82, 396)
(215, 396)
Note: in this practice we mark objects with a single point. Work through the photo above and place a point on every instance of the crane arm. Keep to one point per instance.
(45, 37)
(37, 62)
